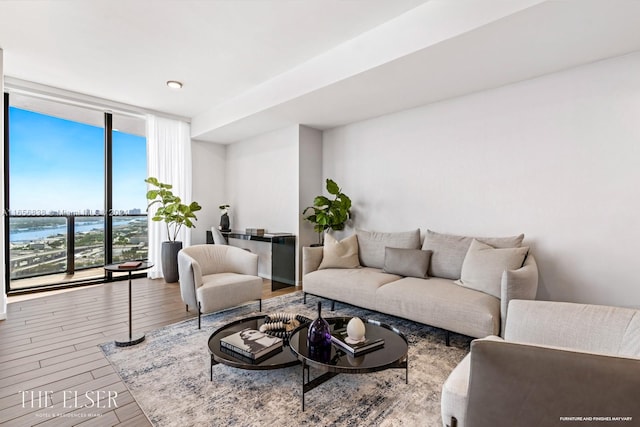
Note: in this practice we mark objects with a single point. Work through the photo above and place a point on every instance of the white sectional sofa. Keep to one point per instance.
(558, 362)
(463, 288)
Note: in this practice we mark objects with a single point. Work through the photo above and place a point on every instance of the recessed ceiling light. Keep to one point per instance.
(174, 84)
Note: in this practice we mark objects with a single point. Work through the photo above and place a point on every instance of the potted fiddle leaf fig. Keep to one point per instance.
(175, 215)
(329, 213)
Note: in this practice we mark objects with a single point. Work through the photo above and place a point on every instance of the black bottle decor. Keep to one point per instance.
(224, 222)
(319, 338)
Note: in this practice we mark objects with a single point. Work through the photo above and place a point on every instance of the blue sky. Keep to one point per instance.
(57, 164)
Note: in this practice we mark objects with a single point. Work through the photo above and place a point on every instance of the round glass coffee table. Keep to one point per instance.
(220, 354)
(394, 353)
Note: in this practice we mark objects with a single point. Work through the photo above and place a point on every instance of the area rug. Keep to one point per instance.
(168, 375)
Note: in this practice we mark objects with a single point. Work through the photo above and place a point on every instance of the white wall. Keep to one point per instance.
(262, 187)
(557, 158)
(310, 178)
(3, 298)
(208, 162)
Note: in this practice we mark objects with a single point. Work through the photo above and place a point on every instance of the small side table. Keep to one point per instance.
(117, 268)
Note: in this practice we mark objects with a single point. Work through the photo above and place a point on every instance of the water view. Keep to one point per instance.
(39, 245)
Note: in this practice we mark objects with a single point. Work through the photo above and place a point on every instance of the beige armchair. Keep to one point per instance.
(215, 277)
(558, 364)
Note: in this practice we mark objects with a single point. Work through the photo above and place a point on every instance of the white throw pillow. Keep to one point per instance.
(483, 266)
(340, 254)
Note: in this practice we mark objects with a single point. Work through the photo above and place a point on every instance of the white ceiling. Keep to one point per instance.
(250, 66)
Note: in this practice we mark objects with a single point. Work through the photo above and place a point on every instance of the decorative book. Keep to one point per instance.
(130, 264)
(339, 338)
(246, 359)
(251, 343)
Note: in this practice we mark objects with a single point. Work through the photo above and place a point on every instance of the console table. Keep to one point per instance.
(283, 254)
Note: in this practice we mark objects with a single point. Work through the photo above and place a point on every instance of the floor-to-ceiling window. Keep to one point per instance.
(76, 192)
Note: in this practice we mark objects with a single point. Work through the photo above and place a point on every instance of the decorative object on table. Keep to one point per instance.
(255, 231)
(175, 214)
(319, 338)
(329, 214)
(355, 331)
(130, 264)
(282, 324)
(252, 343)
(341, 338)
(224, 218)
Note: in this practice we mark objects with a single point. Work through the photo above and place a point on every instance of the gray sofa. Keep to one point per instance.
(440, 299)
(557, 362)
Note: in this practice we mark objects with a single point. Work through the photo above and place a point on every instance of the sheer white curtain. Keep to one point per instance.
(169, 160)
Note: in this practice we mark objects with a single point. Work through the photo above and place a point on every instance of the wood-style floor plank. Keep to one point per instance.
(49, 343)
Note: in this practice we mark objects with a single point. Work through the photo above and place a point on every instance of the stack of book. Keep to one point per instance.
(339, 338)
(252, 344)
(130, 264)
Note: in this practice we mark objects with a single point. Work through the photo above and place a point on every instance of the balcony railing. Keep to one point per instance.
(48, 244)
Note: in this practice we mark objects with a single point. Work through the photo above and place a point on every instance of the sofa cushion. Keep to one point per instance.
(483, 266)
(441, 303)
(354, 286)
(406, 262)
(224, 290)
(372, 244)
(450, 250)
(340, 254)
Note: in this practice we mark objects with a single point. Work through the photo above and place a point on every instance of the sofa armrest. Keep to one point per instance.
(518, 384)
(311, 258)
(518, 284)
(190, 277)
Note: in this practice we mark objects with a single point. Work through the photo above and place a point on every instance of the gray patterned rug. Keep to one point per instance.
(168, 374)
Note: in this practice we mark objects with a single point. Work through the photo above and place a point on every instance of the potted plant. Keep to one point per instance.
(175, 214)
(329, 214)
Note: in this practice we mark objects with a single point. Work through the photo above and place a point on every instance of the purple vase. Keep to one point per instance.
(319, 338)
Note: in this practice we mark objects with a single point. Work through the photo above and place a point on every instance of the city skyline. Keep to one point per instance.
(58, 165)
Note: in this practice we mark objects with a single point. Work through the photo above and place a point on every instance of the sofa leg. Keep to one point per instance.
(304, 297)
(333, 305)
(447, 339)
(454, 422)
(260, 304)
(187, 307)
(199, 314)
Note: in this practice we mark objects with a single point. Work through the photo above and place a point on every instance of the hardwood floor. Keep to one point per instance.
(49, 353)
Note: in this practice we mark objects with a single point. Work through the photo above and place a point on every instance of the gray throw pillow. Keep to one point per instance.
(483, 266)
(372, 244)
(407, 262)
(450, 250)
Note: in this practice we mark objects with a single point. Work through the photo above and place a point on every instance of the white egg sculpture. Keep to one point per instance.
(355, 330)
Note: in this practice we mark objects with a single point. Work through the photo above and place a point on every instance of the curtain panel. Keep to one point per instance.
(169, 160)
